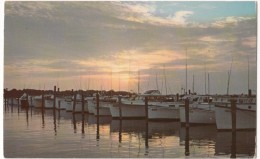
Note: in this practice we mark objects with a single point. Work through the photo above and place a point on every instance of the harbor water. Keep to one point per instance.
(37, 133)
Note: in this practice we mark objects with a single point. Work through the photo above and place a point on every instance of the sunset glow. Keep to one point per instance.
(105, 45)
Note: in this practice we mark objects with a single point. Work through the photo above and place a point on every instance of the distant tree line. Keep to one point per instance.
(18, 93)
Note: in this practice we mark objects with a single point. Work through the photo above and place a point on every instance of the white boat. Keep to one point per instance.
(200, 112)
(129, 109)
(24, 100)
(31, 100)
(164, 111)
(78, 104)
(133, 107)
(48, 101)
(38, 101)
(245, 114)
(12, 101)
(104, 106)
(63, 103)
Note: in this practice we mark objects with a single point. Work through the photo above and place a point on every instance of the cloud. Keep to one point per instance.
(249, 42)
(229, 21)
(213, 39)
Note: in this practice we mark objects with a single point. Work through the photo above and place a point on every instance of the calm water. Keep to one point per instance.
(38, 134)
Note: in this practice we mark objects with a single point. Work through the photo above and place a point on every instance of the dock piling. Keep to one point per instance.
(120, 107)
(187, 112)
(233, 116)
(82, 101)
(97, 98)
(54, 97)
(146, 123)
(43, 105)
(74, 103)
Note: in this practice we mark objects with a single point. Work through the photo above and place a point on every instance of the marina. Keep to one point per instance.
(130, 79)
(80, 136)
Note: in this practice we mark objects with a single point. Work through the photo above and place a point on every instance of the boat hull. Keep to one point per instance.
(198, 116)
(245, 119)
(128, 111)
(163, 113)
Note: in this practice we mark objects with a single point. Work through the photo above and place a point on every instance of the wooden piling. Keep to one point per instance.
(74, 123)
(18, 108)
(233, 116)
(43, 105)
(177, 97)
(54, 97)
(5, 97)
(27, 101)
(97, 98)
(146, 107)
(120, 107)
(54, 122)
(74, 103)
(18, 102)
(120, 131)
(31, 101)
(83, 124)
(187, 132)
(187, 112)
(187, 141)
(146, 123)
(82, 101)
(59, 104)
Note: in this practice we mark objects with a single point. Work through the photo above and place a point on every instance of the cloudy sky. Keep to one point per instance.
(104, 45)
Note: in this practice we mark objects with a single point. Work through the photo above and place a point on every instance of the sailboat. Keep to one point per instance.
(245, 112)
(201, 108)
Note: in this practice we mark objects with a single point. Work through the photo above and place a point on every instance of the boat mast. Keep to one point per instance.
(165, 79)
(193, 84)
(138, 85)
(157, 87)
(248, 73)
(229, 74)
(186, 73)
(208, 84)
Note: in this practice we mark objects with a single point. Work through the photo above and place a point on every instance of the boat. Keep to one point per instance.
(166, 109)
(133, 107)
(63, 103)
(78, 104)
(12, 101)
(245, 114)
(104, 105)
(202, 111)
(38, 101)
(130, 108)
(48, 101)
(24, 100)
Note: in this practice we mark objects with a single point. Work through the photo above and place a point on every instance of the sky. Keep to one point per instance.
(116, 45)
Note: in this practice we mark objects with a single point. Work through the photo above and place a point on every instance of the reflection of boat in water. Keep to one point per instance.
(245, 143)
(163, 128)
(197, 134)
(128, 126)
(103, 120)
